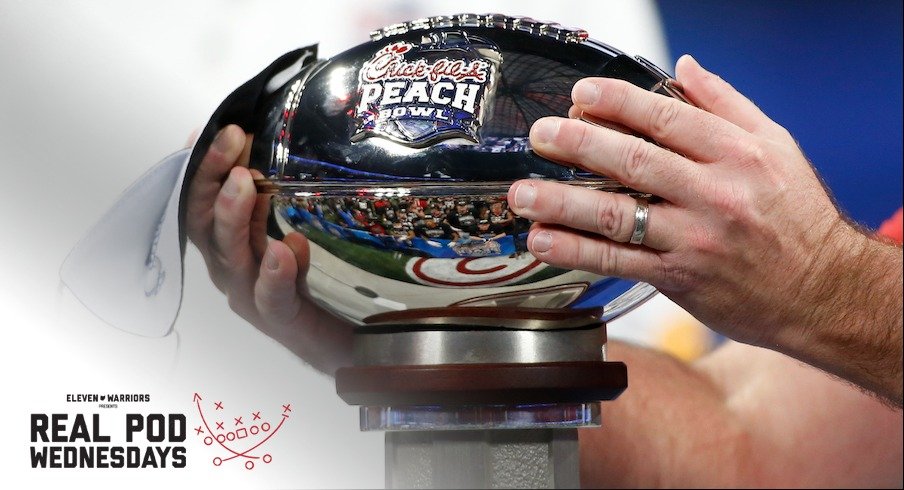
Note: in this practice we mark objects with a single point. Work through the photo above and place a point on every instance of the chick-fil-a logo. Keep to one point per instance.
(389, 64)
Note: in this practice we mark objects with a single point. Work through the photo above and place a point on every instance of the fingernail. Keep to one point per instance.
(525, 195)
(585, 93)
(220, 142)
(231, 186)
(542, 242)
(544, 130)
(271, 260)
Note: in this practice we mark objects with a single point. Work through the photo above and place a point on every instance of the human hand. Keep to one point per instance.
(746, 238)
(263, 279)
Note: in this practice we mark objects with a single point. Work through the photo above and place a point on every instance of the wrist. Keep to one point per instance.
(850, 305)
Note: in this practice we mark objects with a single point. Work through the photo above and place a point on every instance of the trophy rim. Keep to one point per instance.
(384, 189)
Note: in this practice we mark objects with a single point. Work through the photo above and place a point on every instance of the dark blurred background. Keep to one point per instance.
(829, 71)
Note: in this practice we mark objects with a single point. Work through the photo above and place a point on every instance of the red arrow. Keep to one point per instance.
(196, 398)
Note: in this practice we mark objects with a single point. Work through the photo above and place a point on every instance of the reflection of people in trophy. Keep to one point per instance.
(501, 219)
(433, 229)
(436, 213)
(401, 232)
(376, 228)
(461, 218)
(415, 211)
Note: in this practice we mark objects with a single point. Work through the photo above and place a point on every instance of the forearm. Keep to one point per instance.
(670, 428)
(853, 328)
(741, 417)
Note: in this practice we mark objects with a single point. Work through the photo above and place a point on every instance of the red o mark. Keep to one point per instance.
(417, 269)
(462, 267)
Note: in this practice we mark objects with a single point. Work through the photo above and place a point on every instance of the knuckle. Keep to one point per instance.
(269, 306)
(609, 218)
(756, 154)
(731, 201)
(747, 152)
(563, 211)
(618, 96)
(604, 258)
(721, 98)
(663, 118)
(677, 277)
(635, 161)
(703, 240)
(583, 139)
(279, 310)
(220, 258)
(785, 135)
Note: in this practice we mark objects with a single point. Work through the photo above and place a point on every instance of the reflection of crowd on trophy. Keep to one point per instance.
(452, 221)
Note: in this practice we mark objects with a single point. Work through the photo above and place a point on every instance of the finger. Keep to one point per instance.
(630, 160)
(230, 248)
(711, 93)
(569, 249)
(608, 214)
(259, 216)
(275, 293)
(245, 157)
(302, 250)
(681, 127)
(205, 186)
(576, 113)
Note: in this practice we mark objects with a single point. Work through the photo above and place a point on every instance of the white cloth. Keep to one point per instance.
(128, 268)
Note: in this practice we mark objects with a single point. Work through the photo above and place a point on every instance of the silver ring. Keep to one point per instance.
(641, 215)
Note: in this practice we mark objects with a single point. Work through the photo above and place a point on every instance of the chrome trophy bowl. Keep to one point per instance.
(394, 159)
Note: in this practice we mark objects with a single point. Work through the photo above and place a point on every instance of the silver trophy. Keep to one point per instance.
(394, 159)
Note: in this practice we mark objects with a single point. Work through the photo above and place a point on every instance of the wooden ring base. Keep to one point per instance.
(466, 384)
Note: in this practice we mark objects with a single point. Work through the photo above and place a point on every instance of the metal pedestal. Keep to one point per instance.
(536, 458)
(472, 407)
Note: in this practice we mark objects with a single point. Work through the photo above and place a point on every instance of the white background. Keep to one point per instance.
(94, 93)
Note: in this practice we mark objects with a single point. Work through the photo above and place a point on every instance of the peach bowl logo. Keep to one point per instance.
(421, 94)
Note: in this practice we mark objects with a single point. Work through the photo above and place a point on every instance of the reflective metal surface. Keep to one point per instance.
(441, 418)
(479, 346)
(394, 159)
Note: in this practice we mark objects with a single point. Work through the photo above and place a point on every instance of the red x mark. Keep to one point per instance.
(257, 415)
(238, 421)
(220, 425)
(199, 430)
(287, 408)
(219, 405)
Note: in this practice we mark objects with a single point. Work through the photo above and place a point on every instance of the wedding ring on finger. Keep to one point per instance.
(641, 216)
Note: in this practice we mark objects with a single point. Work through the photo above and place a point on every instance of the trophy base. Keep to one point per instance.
(480, 417)
(466, 406)
(412, 378)
(482, 384)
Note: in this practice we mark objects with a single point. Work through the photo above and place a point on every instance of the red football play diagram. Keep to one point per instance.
(249, 431)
